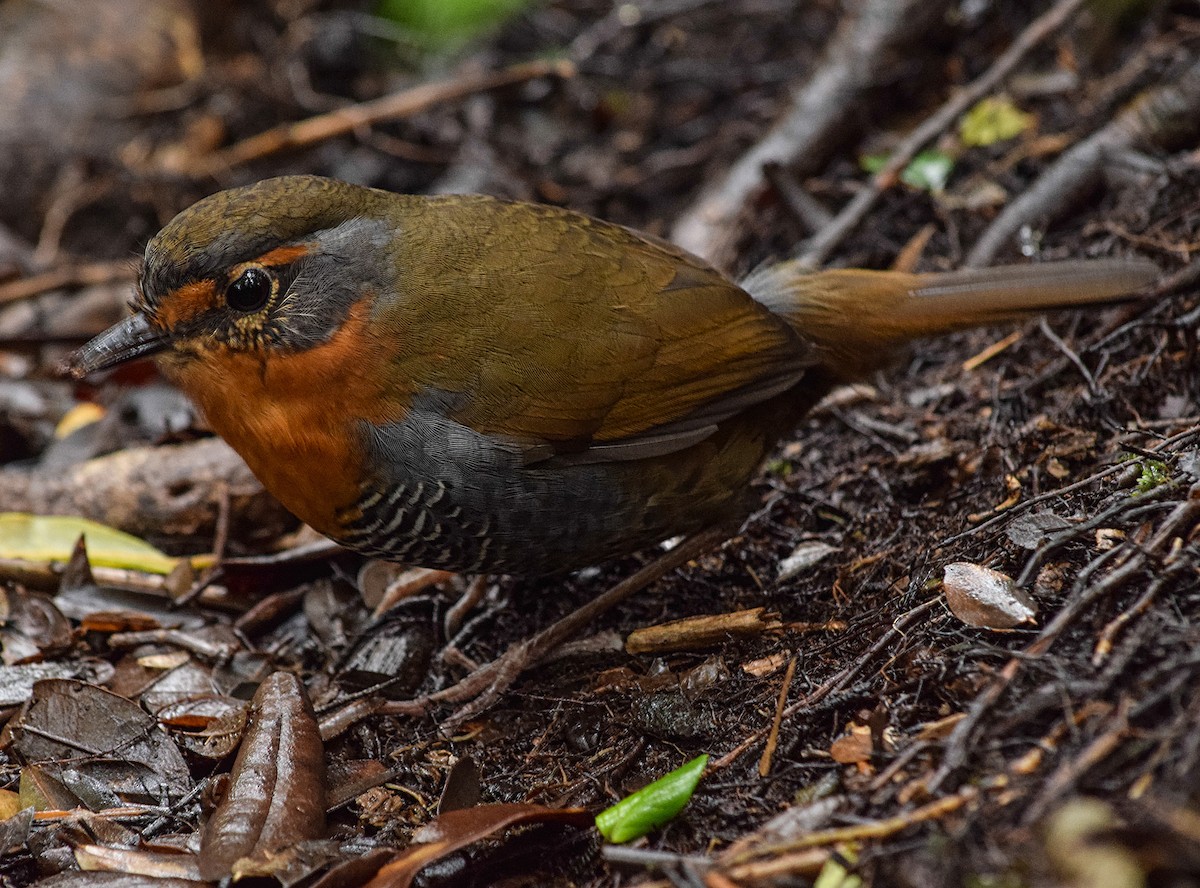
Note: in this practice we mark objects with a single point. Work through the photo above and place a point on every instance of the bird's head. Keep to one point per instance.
(274, 267)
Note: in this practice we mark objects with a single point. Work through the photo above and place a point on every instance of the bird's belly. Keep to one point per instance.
(534, 522)
(441, 512)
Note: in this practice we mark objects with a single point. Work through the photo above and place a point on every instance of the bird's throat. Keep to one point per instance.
(293, 417)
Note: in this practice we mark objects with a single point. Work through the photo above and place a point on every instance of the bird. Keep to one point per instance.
(474, 384)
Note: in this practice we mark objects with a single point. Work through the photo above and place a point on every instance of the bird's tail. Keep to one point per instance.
(857, 319)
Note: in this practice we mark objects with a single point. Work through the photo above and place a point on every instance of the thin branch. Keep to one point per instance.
(346, 120)
(1160, 117)
(818, 249)
(88, 274)
(819, 115)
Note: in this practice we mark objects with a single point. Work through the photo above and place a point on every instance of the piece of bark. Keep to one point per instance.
(174, 490)
(704, 631)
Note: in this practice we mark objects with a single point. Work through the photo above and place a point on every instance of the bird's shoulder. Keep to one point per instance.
(559, 328)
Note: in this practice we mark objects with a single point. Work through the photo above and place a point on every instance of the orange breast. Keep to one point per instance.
(294, 418)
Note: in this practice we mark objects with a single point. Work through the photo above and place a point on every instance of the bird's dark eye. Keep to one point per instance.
(250, 291)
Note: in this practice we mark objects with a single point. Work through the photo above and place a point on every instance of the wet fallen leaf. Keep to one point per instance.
(99, 741)
(172, 676)
(803, 557)
(288, 866)
(17, 681)
(33, 627)
(113, 880)
(349, 779)
(43, 538)
(15, 827)
(149, 602)
(448, 832)
(698, 680)
(854, 747)
(101, 858)
(208, 726)
(462, 789)
(395, 658)
(10, 805)
(356, 870)
(985, 598)
(991, 120)
(276, 795)
(1033, 528)
(40, 791)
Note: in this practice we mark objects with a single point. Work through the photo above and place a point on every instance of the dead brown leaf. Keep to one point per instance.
(276, 796)
(457, 829)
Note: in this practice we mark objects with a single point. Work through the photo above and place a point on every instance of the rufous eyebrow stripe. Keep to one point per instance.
(185, 302)
(283, 255)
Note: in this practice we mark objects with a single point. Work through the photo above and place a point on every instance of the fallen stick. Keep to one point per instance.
(398, 105)
(86, 275)
(820, 113)
(818, 249)
(152, 491)
(1159, 118)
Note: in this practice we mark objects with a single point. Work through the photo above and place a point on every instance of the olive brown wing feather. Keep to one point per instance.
(581, 340)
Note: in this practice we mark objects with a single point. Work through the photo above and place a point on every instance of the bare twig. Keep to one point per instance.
(391, 107)
(707, 630)
(764, 763)
(1160, 117)
(818, 249)
(899, 627)
(483, 686)
(1068, 773)
(814, 123)
(778, 853)
(1057, 494)
(1170, 574)
(88, 274)
(1070, 354)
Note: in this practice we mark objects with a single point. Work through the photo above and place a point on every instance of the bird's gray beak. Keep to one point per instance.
(132, 338)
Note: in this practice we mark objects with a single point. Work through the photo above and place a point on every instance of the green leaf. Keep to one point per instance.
(1154, 473)
(873, 163)
(443, 22)
(928, 171)
(993, 120)
(45, 538)
(653, 805)
(835, 875)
